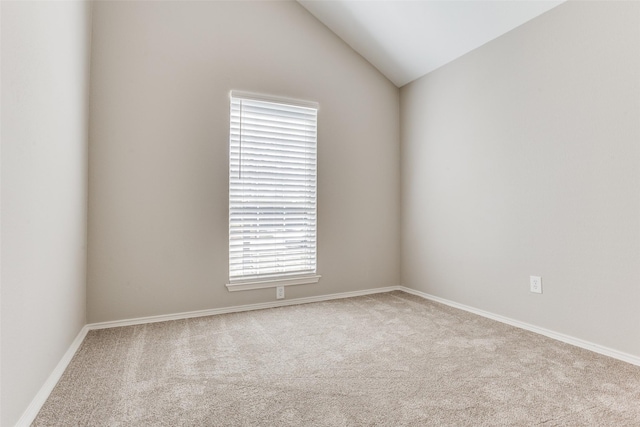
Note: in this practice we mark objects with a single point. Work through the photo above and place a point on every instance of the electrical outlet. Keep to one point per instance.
(280, 292)
(536, 284)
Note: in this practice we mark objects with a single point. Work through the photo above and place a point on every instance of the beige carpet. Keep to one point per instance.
(383, 360)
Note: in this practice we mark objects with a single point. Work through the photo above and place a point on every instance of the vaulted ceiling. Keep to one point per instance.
(405, 40)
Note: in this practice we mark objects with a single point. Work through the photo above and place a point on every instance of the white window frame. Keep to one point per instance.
(270, 280)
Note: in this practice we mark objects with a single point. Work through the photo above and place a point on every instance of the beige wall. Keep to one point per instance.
(158, 166)
(523, 158)
(45, 76)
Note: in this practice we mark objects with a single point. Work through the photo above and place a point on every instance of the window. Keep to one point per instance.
(272, 192)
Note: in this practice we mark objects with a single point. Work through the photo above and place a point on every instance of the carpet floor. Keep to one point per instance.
(390, 359)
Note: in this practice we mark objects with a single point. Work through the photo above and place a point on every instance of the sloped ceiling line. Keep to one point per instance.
(405, 40)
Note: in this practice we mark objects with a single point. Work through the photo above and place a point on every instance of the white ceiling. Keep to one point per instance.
(408, 39)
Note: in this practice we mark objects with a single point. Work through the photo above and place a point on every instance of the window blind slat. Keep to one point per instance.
(301, 240)
(272, 189)
(275, 274)
(271, 253)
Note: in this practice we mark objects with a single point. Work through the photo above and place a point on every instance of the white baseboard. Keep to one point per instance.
(596, 348)
(237, 308)
(36, 404)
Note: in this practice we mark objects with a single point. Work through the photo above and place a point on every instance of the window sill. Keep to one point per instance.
(272, 283)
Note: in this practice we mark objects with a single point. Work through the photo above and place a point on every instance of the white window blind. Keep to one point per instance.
(272, 189)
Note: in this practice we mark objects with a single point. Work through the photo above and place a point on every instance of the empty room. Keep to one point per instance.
(320, 213)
